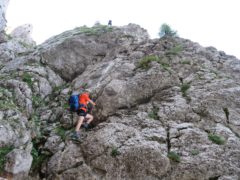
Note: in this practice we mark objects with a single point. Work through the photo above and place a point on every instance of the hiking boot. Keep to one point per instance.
(76, 135)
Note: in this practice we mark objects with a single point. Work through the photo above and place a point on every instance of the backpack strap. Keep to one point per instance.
(82, 106)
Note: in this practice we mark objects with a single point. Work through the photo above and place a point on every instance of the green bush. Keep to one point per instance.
(174, 156)
(3, 152)
(216, 139)
(26, 77)
(166, 30)
(145, 62)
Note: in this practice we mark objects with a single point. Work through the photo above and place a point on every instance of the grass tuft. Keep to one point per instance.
(145, 62)
(184, 88)
(115, 152)
(174, 156)
(216, 139)
(3, 152)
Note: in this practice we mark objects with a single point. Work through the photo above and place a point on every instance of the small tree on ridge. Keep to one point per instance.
(166, 30)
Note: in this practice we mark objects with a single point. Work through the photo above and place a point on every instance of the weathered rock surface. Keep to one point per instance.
(23, 34)
(71, 52)
(18, 162)
(166, 108)
(3, 21)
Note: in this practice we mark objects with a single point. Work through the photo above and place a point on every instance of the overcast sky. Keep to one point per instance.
(208, 22)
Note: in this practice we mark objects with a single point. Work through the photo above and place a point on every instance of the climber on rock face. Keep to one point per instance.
(110, 23)
(84, 99)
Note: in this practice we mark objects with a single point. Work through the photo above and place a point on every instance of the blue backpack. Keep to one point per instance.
(74, 102)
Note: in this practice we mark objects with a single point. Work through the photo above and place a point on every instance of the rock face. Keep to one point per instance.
(3, 21)
(3, 8)
(166, 108)
(23, 34)
(71, 52)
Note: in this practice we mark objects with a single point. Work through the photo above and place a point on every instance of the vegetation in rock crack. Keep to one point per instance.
(36, 124)
(6, 101)
(184, 88)
(60, 131)
(9, 37)
(24, 44)
(164, 62)
(3, 152)
(153, 114)
(26, 77)
(7, 104)
(175, 50)
(226, 111)
(217, 139)
(37, 101)
(174, 156)
(38, 157)
(84, 85)
(115, 152)
(1, 66)
(186, 62)
(195, 152)
(144, 63)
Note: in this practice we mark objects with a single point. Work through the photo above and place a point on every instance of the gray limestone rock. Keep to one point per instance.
(18, 163)
(3, 9)
(23, 34)
(166, 108)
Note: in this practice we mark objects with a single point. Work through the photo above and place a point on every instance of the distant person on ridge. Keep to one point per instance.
(84, 99)
(110, 23)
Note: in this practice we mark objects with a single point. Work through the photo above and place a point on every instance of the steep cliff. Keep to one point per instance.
(166, 108)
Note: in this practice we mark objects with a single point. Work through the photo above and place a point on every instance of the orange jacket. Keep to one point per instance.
(83, 101)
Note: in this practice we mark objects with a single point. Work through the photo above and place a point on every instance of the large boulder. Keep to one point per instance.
(18, 163)
(71, 52)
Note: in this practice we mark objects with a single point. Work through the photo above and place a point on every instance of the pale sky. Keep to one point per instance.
(208, 22)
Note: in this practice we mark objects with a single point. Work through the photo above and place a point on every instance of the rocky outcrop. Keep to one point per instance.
(23, 34)
(166, 108)
(71, 52)
(25, 86)
(3, 8)
(18, 162)
(3, 21)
